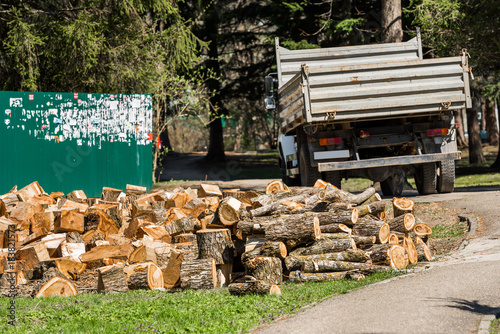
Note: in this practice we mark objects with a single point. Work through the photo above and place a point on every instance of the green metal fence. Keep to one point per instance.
(75, 141)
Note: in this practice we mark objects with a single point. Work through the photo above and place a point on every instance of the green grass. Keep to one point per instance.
(495, 326)
(189, 311)
(449, 231)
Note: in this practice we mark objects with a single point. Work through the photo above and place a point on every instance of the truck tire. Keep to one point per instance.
(446, 176)
(289, 181)
(308, 173)
(333, 177)
(426, 179)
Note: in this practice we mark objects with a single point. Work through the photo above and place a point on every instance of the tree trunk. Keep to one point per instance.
(475, 148)
(216, 144)
(491, 123)
(295, 262)
(267, 269)
(299, 276)
(402, 205)
(461, 141)
(392, 26)
(335, 228)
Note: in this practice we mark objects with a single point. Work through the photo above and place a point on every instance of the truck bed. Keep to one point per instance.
(361, 83)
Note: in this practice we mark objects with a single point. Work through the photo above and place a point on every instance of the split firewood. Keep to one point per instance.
(112, 279)
(199, 274)
(172, 271)
(321, 266)
(9, 201)
(267, 269)
(295, 262)
(402, 223)
(69, 268)
(254, 242)
(230, 211)
(31, 190)
(22, 214)
(69, 221)
(143, 253)
(215, 244)
(209, 190)
(57, 286)
(323, 246)
(184, 237)
(293, 231)
(255, 286)
(132, 190)
(189, 250)
(140, 219)
(110, 194)
(112, 210)
(94, 257)
(411, 250)
(367, 226)
(144, 276)
(275, 186)
(77, 196)
(65, 204)
(72, 250)
(32, 254)
(269, 248)
(224, 274)
(38, 234)
(300, 277)
(423, 250)
(402, 206)
(43, 220)
(154, 231)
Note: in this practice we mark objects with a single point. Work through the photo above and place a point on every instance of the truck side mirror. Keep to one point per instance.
(269, 101)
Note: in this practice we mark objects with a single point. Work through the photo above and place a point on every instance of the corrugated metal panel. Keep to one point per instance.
(290, 61)
(377, 91)
(71, 141)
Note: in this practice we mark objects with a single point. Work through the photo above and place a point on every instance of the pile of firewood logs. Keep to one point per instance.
(200, 238)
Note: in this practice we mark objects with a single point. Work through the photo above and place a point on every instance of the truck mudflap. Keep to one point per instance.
(390, 161)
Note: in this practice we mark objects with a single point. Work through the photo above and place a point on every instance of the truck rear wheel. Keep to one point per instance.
(394, 184)
(426, 179)
(308, 173)
(289, 181)
(446, 176)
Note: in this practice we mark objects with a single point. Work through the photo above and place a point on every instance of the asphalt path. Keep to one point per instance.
(447, 296)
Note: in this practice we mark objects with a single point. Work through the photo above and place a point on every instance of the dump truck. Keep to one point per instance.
(378, 111)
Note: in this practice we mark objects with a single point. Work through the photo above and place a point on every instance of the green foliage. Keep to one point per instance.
(348, 25)
(302, 44)
(214, 311)
(449, 231)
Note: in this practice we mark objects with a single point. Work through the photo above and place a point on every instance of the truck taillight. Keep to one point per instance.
(437, 132)
(330, 141)
(364, 134)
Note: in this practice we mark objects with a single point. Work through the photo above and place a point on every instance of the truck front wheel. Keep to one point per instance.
(426, 179)
(308, 173)
(446, 176)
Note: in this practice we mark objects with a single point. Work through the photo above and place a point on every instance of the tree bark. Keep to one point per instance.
(300, 277)
(216, 244)
(293, 231)
(370, 227)
(199, 274)
(403, 223)
(475, 148)
(321, 266)
(258, 287)
(461, 141)
(267, 269)
(323, 246)
(392, 26)
(112, 279)
(491, 123)
(295, 262)
(144, 276)
(269, 248)
(402, 205)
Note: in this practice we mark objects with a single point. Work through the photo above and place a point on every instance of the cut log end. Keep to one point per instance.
(57, 286)
(275, 186)
(384, 233)
(397, 256)
(317, 228)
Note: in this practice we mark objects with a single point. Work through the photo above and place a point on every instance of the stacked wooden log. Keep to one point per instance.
(200, 238)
